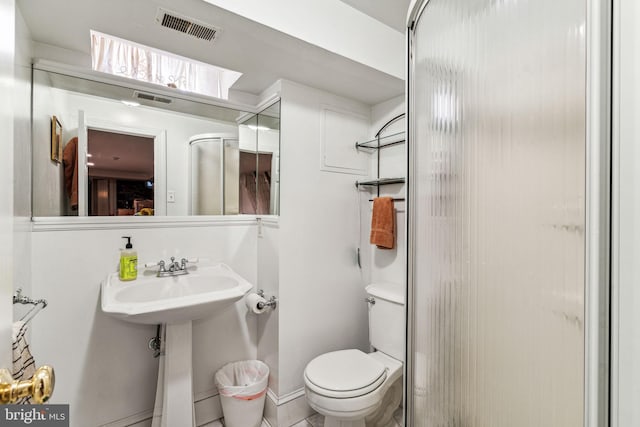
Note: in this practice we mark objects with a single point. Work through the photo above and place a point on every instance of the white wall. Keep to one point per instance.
(49, 197)
(332, 25)
(22, 157)
(179, 128)
(268, 280)
(104, 369)
(7, 58)
(22, 120)
(322, 295)
(625, 355)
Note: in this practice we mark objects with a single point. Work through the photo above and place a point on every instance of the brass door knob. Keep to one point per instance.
(42, 384)
(39, 387)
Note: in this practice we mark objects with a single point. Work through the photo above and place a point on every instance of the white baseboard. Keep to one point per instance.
(207, 409)
(279, 411)
(144, 423)
(136, 420)
(287, 410)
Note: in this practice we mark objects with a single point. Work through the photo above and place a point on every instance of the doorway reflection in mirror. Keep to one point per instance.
(120, 174)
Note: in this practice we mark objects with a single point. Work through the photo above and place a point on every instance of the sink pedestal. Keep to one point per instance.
(174, 395)
(174, 301)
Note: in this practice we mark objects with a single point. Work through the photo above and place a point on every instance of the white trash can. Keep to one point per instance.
(243, 387)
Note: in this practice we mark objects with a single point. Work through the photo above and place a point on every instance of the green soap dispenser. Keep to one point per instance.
(128, 262)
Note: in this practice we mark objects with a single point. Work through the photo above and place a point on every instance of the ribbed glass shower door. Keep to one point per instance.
(497, 136)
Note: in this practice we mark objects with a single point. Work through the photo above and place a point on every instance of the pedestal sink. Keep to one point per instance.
(175, 301)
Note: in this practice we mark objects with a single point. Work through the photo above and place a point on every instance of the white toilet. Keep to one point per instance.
(355, 389)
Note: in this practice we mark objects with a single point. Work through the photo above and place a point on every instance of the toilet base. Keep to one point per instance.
(381, 417)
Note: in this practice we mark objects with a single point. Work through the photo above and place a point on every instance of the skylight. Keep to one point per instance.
(123, 58)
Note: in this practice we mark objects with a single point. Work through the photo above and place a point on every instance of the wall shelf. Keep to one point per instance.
(375, 145)
(382, 142)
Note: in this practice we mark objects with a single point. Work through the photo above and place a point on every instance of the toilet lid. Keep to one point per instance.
(344, 373)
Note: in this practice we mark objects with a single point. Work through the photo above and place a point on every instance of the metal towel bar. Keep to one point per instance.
(18, 298)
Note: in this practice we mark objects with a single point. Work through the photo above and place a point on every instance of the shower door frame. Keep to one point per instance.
(598, 232)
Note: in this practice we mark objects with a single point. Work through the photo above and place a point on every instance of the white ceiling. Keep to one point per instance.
(390, 12)
(264, 55)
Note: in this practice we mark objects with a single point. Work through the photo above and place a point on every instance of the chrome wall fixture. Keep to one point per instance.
(41, 385)
(271, 303)
(38, 304)
(173, 267)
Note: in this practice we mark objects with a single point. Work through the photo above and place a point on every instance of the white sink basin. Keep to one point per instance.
(153, 300)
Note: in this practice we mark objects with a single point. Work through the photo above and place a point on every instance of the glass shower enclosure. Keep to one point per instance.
(214, 171)
(498, 204)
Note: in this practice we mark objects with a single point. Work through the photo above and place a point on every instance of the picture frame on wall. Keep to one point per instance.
(56, 140)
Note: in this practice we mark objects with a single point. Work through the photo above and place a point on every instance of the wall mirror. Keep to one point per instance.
(247, 164)
(129, 152)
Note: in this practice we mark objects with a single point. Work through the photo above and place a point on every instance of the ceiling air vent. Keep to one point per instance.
(152, 97)
(186, 25)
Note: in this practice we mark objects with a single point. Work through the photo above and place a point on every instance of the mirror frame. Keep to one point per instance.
(160, 150)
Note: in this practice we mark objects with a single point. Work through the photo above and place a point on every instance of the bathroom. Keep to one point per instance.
(312, 250)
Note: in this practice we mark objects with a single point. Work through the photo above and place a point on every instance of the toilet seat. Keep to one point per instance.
(344, 374)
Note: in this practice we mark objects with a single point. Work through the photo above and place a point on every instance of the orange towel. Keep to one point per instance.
(70, 159)
(383, 223)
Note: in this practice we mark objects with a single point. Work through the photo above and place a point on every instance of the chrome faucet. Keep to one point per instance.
(173, 268)
(175, 265)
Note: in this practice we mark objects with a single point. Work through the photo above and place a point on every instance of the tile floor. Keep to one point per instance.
(220, 423)
(317, 420)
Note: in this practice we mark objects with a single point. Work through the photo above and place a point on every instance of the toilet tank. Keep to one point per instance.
(387, 319)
